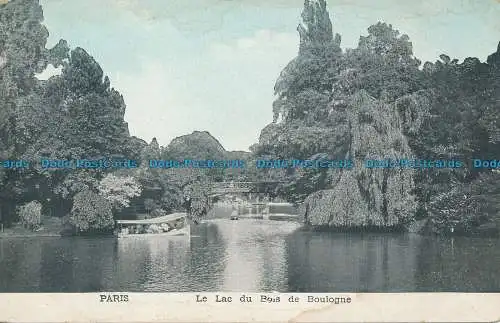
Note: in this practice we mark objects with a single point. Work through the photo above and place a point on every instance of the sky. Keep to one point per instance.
(211, 65)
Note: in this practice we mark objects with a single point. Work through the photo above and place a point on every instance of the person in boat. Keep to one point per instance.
(165, 227)
(234, 213)
(187, 204)
(153, 228)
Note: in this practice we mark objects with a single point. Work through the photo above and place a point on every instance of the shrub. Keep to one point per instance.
(466, 206)
(91, 212)
(30, 214)
(119, 190)
(157, 213)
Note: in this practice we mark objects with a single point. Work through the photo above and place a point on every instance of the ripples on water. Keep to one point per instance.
(251, 255)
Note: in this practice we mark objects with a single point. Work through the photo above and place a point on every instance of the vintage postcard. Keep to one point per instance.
(249, 160)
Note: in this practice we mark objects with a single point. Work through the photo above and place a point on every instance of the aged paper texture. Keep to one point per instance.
(249, 160)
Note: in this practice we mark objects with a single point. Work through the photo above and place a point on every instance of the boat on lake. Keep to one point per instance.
(234, 215)
(171, 225)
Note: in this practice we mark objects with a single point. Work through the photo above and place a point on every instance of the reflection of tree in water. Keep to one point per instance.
(336, 262)
(167, 264)
(56, 265)
(297, 260)
(77, 265)
(56, 273)
(21, 262)
(172, 265)
(274, 264)
(93, 265)
(132, 266)
(255, 257)
(460, 264)
(208, 251)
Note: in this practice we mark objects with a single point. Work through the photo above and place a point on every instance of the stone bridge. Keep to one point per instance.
(233, 187)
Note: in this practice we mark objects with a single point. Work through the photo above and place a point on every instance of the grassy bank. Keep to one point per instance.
(51, 227)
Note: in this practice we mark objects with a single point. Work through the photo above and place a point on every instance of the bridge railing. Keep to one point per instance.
(221, 187)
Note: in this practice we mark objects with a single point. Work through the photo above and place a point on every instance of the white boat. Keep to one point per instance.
(172, 225)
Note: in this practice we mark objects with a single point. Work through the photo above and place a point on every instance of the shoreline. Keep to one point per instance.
(50, 227)
(44, 235)
(56, 231)
(478, 232)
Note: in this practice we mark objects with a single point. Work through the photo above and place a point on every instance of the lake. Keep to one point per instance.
(253, 256)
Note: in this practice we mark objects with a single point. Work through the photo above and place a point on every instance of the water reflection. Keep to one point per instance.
(76, 264)
(251, 255)
(206, 267)
(332, 262)
(459, 264)
(255, 258)
(20, 265)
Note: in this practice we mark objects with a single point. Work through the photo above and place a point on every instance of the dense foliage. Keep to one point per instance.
(77, 115)
(197, 145)
(374, 101)
(119, 190)
(377, 100)
(30, 214)
(91, 212)
(168, 188)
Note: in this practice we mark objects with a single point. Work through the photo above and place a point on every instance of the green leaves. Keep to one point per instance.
(70, 116)
(316, 27)
(119, 190)
(90, 212)
(197, 145)
(385, 41)
(83, 75)
(465, 206)
(30, 214)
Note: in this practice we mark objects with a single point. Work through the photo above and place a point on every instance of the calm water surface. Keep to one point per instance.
(252, 255)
